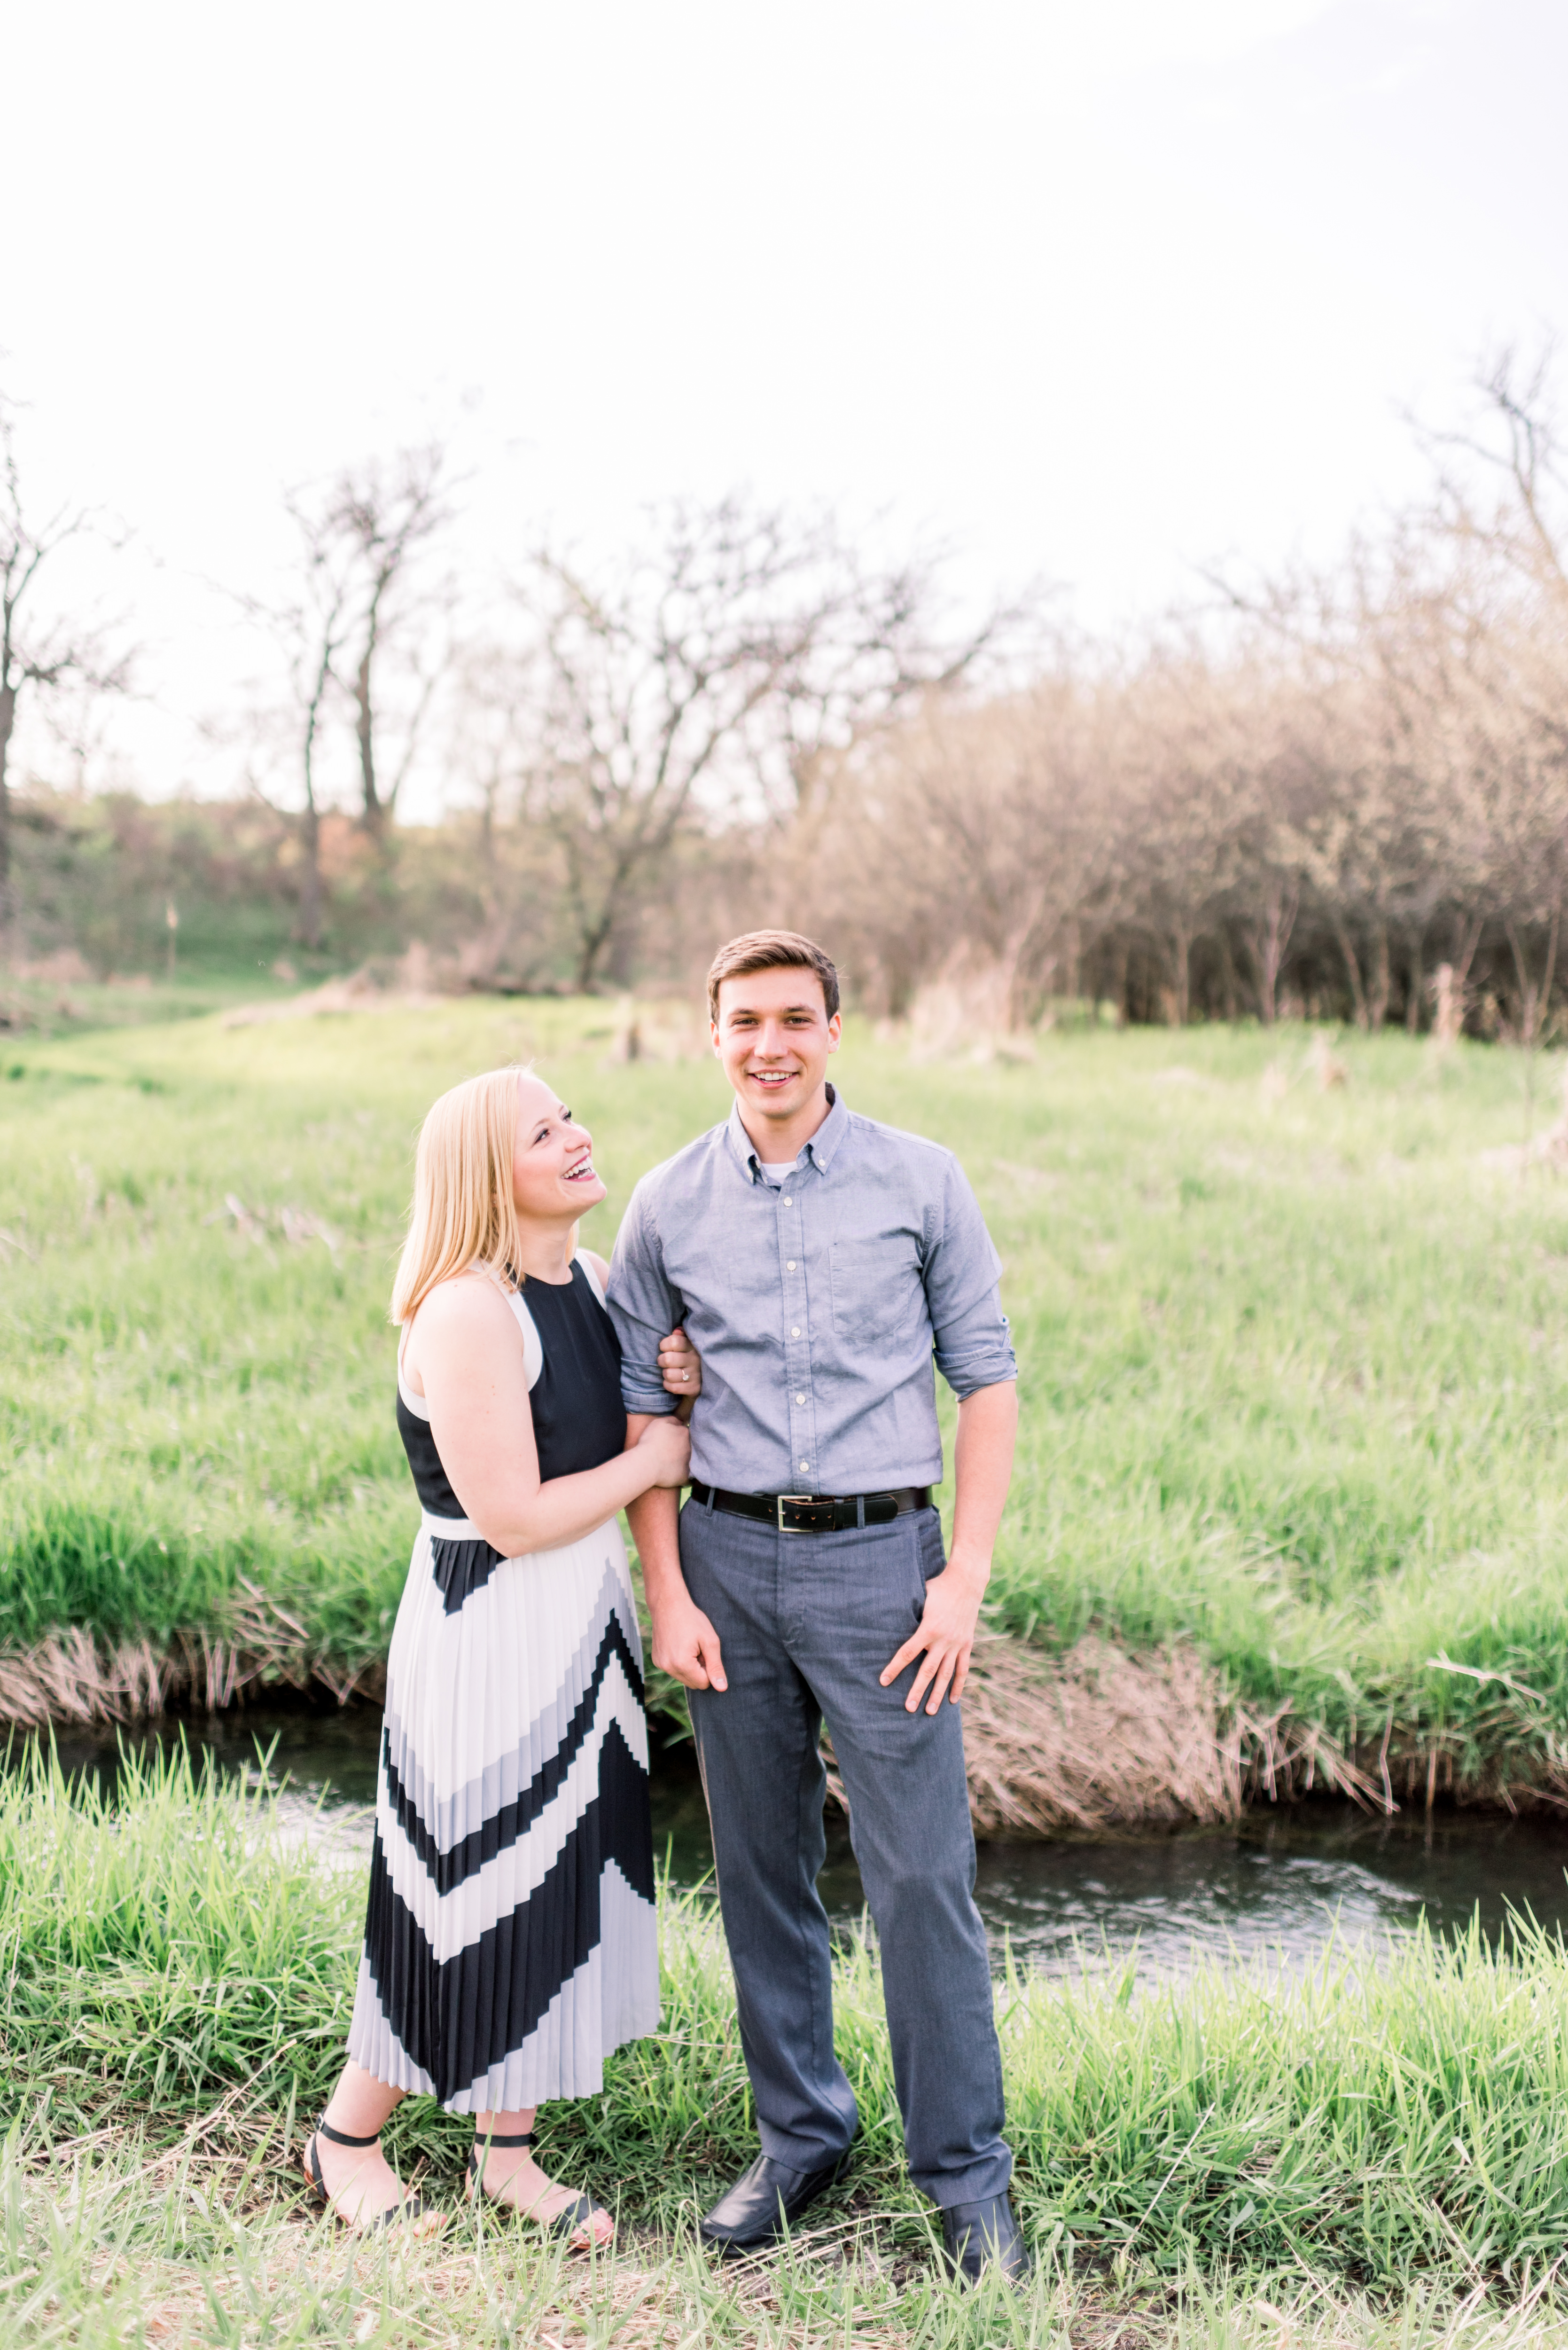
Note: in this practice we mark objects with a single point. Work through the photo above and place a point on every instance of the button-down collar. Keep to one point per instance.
(819, 1150)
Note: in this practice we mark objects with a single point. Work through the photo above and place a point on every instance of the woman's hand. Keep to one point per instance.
(681, 1366)
(671, 1447)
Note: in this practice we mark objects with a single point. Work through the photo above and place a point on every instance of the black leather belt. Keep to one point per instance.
(815, 1513)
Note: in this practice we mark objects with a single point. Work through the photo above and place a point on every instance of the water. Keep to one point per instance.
(1276, 1883)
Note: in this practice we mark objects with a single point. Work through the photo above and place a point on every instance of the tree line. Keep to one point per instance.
(1340, 792)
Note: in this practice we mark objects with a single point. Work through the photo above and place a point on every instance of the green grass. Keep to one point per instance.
(1294, 1372)
(106, 2245)
(177, 1980)
(45, 1010)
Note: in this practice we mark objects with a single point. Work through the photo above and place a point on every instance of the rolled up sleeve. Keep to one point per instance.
(643, 1307)
(973, 1345)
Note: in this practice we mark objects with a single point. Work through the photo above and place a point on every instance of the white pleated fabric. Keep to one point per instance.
(510, 1941)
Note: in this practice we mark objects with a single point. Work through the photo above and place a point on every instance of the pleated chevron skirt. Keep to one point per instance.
(510, 1941)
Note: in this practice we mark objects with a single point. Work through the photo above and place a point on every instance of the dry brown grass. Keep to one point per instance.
(68, 1676)
(1331, 1072)
(1100, 1743)
(1092, 1742)
(1097, 1741)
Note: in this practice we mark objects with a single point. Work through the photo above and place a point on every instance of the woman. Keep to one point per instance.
(510, 1943)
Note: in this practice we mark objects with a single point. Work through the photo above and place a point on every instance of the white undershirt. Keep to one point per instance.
(778, 1167)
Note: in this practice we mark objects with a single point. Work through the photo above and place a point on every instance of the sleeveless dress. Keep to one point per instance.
(511, 1940)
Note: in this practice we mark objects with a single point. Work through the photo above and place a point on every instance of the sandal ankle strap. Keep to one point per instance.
(483, 2139)
(340, 2138)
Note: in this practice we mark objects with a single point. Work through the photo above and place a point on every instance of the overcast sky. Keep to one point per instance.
(1096, 291)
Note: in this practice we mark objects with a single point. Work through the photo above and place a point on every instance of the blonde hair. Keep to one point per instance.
(462, 1212)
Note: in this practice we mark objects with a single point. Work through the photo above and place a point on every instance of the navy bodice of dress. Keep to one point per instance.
(579, 1419)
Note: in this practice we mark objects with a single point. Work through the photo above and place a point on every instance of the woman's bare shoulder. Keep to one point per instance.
(599, 1266)
(472, 1306)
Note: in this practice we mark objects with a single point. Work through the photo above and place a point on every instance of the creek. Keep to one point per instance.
(1272, 1887)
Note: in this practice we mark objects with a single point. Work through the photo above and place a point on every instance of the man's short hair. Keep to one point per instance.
(771, 951)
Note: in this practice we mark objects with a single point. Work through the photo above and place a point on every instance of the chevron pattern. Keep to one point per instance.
(510, 1942)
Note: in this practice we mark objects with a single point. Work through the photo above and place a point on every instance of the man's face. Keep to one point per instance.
(774, 1037)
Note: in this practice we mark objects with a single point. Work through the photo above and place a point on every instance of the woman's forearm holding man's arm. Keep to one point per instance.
(558, 1511)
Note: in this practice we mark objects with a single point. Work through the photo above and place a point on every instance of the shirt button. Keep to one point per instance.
(790, 1266)
(788, 1202)
(794, 1334)
(800, 1398)
(806, 1464)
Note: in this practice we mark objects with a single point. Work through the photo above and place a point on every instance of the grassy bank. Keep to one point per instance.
(177, 1985)
(1295, 1366)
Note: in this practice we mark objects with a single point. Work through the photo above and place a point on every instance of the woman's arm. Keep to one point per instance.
(467, 1352)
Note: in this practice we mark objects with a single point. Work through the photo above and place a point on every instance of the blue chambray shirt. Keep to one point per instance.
(816, 1304)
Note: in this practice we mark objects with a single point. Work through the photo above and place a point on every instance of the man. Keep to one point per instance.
(816, 1258)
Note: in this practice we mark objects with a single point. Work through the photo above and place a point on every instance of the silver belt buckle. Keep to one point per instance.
(779, 1501)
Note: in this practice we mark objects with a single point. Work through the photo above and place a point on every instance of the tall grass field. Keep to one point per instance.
(1292, 1376)
(1371, 2152)
(1377, 2119)
(1293, 1362)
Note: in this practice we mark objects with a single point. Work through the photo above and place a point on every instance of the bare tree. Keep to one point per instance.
(1517, 434)
(515, 873)
(39, 653)
(371, 528)
(1504, 687)
(709, 673)
(317, 628)
(355, 601)
(310, 630)
(971, 843)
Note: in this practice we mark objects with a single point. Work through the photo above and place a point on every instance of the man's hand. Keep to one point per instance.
(685, 1643)
(948, 1623)
(982, 1463)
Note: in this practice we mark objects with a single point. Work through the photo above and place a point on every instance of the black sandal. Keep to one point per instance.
(411, 2207)
(575, 2216)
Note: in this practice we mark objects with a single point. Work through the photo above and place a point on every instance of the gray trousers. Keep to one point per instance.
(807, 1623)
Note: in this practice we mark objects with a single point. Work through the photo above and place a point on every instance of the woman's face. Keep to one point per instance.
(553, 1158)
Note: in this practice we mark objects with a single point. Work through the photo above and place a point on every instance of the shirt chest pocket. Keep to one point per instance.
(876, 1287)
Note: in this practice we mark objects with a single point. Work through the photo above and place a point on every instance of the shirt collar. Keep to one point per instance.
(819, 1150)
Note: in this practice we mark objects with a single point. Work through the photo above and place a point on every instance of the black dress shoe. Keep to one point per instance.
(762, 2201)
(975, 2233)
